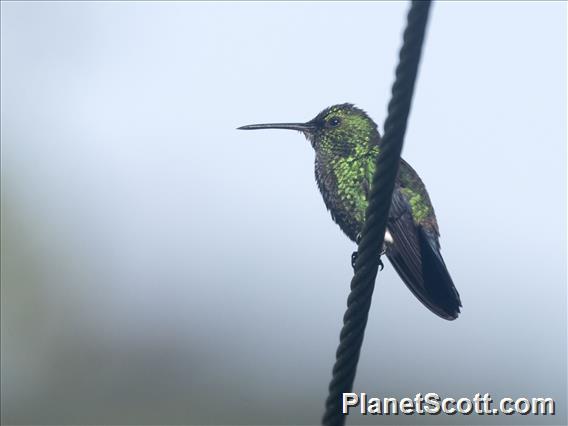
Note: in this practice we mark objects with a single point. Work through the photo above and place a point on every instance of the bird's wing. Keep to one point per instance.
(415, 255)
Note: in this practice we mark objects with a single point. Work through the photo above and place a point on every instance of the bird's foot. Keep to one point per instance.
(355, 254)
(354, 258)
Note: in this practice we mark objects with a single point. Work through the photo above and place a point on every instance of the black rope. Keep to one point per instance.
(372, 236)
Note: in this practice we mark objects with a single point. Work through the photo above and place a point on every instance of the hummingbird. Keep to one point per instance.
(346, 142)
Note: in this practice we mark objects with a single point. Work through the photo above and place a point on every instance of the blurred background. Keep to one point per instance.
(160, 267)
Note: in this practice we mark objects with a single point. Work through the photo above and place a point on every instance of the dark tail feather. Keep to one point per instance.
(437, 280)
(426, 275)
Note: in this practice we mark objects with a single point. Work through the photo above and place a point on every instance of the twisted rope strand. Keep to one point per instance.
(372, 235)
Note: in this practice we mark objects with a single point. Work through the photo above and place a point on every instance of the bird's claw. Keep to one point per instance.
(354, 258)
(355, 254)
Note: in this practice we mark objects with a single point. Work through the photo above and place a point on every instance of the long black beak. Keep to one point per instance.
(301, 127)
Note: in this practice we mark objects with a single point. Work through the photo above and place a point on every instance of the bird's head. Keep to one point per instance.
(340, 130)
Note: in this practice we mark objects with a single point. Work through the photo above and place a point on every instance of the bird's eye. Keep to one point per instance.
(334, 122)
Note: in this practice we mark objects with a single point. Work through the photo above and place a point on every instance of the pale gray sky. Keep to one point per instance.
(160, 267)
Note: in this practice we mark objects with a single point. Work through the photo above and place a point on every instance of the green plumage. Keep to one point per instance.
(345, 164)
(347, 143)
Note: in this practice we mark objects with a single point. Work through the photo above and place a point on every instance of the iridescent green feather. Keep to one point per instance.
(345, 165)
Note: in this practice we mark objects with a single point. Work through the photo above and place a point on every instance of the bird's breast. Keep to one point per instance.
(343, 184)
